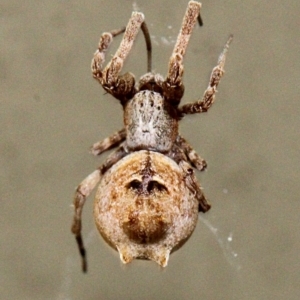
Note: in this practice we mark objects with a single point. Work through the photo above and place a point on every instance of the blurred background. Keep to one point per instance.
(247, 246)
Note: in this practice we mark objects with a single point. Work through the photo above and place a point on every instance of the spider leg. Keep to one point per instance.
(121, 87)
(83, 191)
(110, 142)
(194, 186)
(99, 56)
(209, 95)
(173, 84)
(178, 155)
(198, 162)
(114, 158)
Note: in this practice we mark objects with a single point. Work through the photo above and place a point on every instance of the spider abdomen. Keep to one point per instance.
(143, 207)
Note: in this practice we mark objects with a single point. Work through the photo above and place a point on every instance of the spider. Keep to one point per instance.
(148, 200)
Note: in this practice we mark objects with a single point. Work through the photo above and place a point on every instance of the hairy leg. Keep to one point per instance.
(198, 162)
(178, 155)
(194, 186)
(121, 87)
(83, 191)
(110, 142)
(209, 95)
(173, 84)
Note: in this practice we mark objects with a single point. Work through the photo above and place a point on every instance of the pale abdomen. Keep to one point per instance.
(143, 207)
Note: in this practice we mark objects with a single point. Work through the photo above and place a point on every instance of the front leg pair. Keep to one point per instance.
(121, 87)
(173, 86)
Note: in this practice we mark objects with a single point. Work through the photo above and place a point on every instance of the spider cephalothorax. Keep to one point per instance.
(148, 199)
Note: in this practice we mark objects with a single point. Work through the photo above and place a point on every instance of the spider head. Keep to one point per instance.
(150, 120)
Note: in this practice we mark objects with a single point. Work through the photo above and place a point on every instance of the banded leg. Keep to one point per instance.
(109, 142)
(178, 155)
(99, 56)
(113, 158)
(118, 86)
(209, 95)
(198, 162)
(83, 191)
(173, 82)
(194, 186)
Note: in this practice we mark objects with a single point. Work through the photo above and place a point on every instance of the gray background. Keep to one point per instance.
(247, 246)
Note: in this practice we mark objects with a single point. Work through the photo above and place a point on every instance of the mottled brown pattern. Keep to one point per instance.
(148, 199)
(147, 219)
